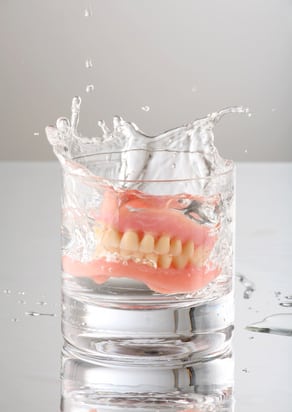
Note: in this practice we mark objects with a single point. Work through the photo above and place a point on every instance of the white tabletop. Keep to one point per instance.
(30, 282)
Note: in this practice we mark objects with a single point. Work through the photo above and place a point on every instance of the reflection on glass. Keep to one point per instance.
(90, 386)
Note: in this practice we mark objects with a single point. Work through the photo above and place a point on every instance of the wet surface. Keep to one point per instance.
(30, 357)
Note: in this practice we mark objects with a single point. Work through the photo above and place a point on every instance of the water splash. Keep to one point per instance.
(278, 324)
(89, 88)
(125, 153)
(88, 12)
(248, 285)
(145, 108)
(88, 64)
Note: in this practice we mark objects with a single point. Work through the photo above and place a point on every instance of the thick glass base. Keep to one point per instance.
(202, 386)
(146, 329)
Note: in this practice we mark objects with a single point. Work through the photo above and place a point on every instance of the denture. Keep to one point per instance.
(148, 239)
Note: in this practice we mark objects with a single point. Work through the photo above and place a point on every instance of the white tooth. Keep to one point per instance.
(162, 245)
(200, 256)
(164, 261)
(188, 249)
(175, 247)
(111, 239)
(180, 261)
(147, 243)
(130, 241)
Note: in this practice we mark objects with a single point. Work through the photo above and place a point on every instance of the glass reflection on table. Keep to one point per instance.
(203, 386)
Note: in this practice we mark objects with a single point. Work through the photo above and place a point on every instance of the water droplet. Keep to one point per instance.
(21, 292)
(251, 337)
(88, 64)
(288, 297)
(88, 12)
(274, 109)
(278, 324)
(173, 165)
(194, 89)
(41, 303)
(245, 370)
(249, 114)
(145, 108)
(39, 314)
(286, 304)
(245, 151)
(63, 124)
(89, 88)
(21, 302)
(249, 285)
(7, 291)
(277, 294)
(36, 133)
(14, 320)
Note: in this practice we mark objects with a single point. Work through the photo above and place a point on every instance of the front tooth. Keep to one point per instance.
(188, 249)
(180, 261)
(175, 247)
(130, 241)
(147, 243)
(162, 245)
(111, 239)
(164, 261)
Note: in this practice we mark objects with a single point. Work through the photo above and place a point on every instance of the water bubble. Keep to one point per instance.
(249, 114)
(245, 151)
(21, 292)
(89, 88)
(288, 297)
(7, 291)
(36, 133)
(88, 12)
(21, 302)
(251, 337)
(173, 165)
(14, 320)
(245, 370)
(88, 64)
(145, 108)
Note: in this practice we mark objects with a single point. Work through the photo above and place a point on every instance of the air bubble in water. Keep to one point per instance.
(89, 88)
(88, 64)
(87, 12)
(7, 291)
(145, 108)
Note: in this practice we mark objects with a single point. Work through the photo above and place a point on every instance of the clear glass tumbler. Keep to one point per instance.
(147, 265)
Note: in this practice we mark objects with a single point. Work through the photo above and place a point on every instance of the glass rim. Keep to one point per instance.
(229, 163)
